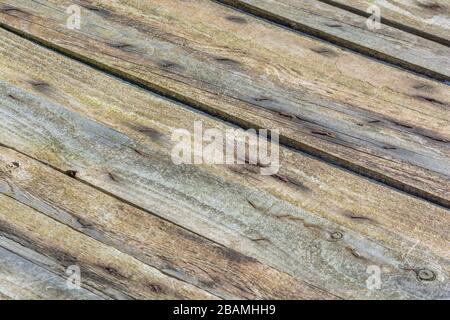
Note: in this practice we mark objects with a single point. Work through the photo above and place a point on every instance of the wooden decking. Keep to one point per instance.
(87, 179)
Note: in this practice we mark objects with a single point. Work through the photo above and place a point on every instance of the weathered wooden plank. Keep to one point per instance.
(169, 248)
(54, 266)
(21, 279)
(101, 265)
(430, 19)
(351, 31)
(4, 297)
(314, 221)
(360, 114)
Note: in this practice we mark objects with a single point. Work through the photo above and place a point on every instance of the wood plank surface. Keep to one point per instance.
(171, 249)
(368, 117)
(103, 266)
(21, 279)
(350, 30)
(428, 18)
(318, 223)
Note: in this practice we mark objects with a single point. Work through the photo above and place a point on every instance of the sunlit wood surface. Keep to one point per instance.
(87, 178)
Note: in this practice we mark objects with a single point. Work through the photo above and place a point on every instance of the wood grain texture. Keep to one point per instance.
(171, 249)
(79, 119)
(21, 279)
(4, 297)
(371, 118)
(428, 18)
(351, 31)
(102, 267)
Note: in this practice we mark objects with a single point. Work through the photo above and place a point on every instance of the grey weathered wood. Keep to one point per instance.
(21, 279)
(350, 30)
(368, 117)
(171, 249)
(102, 267)
(429, 19)
(290, 229)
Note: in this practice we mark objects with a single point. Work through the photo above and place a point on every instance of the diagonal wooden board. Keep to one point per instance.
(21, 279)
(351, 31)
(173, 250)
(104, 267)
(427, 18)
(314, 221)
(368, 117)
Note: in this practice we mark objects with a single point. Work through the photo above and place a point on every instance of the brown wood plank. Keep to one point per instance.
(351, 31)
(368, 117)
(428, 18)
(314, 221)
